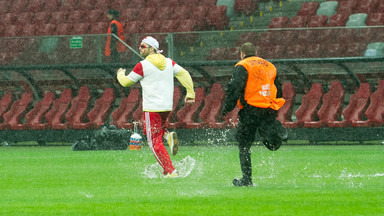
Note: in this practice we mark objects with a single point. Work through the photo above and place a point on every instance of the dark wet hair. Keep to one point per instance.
(114, 13)
(248, 49)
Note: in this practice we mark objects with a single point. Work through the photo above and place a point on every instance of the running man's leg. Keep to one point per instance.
(154, 132)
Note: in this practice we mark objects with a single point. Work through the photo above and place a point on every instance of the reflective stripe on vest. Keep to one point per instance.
(260, 90)
(120, 33)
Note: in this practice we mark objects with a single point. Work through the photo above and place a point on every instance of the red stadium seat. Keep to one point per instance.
(58, 17)
(246, 7)
(29, 30)
(375, 19)
(331, 108)
(51, 5)
(137, 4)
(217, 17)
(355, 49)
(12, 31)
(133, 27)
(69, 5)
(318, 21)
(36, 6)
(295, 51)
(14, 116)
(334, 50)
(217, 54)
(366, 6)
(23, 18)
(35, 117)
(4, 5)
(154, 4)
(375, 110)
(272, 51)
(347, 7)
(189, 3)
(380, 7)
(64, 29)
(279, 22)
(164, 13)
(80, 28)
(79, 106)
(100, 111)
(146, 14)
(308, 9)
(188, 25)
(298, 22)
(18, 6)
(177, 97)
(326, 36)
(267, 38)
(358, 103)
(337, 20)
(207, 2)
(93, 16)
(309, 106)
(187, 114)
(181, 13)
(171, 3)
(46, 29)
(313, 51)
(122, 116)
(233, 53)
(285, 112)
(305, 37)
(169, 26)
(121, 4)
(247, 37)
(55, 117)
(128, 14)
(138, 115)
(229, 121)
(8, 19)
(212, 107)
(5, 103)
(199, 14)
(86, 5)
(103, 4)
(151, 26)
(98, 28)
(75, 17)
(41, 18)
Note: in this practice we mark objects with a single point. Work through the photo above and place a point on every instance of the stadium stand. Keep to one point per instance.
(5, 103)
(308, 9)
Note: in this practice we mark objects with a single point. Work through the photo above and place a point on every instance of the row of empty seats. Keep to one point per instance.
(365, 109)
(317, 109)
(19, 6)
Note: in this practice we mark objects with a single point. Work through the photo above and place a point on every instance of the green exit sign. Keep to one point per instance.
(76, 42)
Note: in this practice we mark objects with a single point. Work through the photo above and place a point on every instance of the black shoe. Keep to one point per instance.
(242, 183)
(273, 146)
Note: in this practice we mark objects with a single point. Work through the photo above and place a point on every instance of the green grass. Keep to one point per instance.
(295, 180)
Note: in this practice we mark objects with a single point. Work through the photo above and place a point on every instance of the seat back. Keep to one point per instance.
(59, 106)
(35, 116)
(177, 96)
(79, 106)
(285, 112)
(188, 112)
(310, 104)
(102, 107)
(126, 107)
(18, 109)
(5, 103)
(212, 104)
(375, 109)
(358, 103)
(332, 103)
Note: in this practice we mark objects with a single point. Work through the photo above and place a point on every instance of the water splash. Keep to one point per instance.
(185, 167)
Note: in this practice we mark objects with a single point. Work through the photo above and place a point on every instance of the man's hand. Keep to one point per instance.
(189, 100)
(121, 70)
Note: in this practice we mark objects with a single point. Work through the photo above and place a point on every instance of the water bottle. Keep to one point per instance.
(135, 139)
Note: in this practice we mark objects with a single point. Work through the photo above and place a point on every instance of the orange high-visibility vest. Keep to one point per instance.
(260, 90)
(120, 46)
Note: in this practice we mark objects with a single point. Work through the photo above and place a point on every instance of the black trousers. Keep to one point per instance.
(252, 120)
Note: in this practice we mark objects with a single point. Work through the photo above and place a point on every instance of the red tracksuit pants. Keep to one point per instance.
(154, 129)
